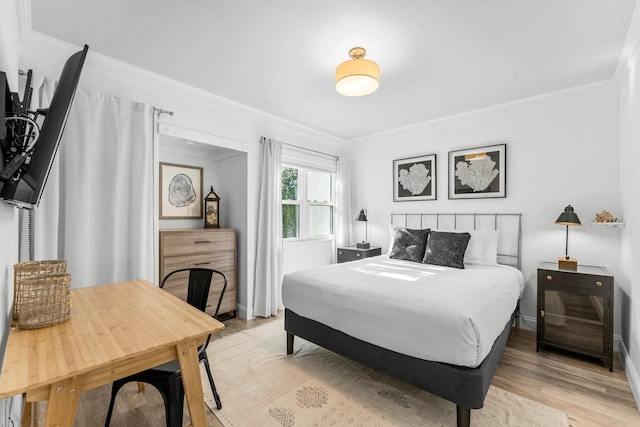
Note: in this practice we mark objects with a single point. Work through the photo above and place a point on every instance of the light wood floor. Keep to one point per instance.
(582, 387)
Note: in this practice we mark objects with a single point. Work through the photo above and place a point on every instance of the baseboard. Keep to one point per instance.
(630, 371)
(528, 323)
(243, 312)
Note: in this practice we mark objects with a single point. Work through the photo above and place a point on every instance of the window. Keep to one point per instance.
(307, 203)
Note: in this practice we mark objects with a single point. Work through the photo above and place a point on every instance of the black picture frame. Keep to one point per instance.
(478, 173)
(409, 175)
(183, 184)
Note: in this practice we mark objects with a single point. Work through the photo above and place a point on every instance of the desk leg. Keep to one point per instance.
(63, 402)
(27, 413)
(188, 358)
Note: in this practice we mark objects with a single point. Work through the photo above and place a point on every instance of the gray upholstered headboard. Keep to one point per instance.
(509, 225)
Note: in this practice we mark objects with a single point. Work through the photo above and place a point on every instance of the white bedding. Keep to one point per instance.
(430, 312)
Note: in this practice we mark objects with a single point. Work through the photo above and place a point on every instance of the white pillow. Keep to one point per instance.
(490, 250)
(475, 248)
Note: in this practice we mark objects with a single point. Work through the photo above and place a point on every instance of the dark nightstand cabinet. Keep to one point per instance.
(575, 310)
(352, 253)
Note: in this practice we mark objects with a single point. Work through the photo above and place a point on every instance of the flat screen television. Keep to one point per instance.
(24, 172)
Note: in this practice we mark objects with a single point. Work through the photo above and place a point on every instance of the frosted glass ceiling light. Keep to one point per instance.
(358, 76)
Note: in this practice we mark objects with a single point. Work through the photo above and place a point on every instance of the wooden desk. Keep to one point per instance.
(115, 330)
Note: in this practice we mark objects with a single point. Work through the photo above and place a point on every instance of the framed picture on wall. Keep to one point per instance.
(180, 191)
(414, 178)
(476, 173)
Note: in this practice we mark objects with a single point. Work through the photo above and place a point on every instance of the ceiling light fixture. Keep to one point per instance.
(358, 76)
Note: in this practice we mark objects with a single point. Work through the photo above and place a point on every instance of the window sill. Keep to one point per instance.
(309, 240)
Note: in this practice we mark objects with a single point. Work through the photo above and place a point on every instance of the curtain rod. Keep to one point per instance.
(161, 111)
(309, 149)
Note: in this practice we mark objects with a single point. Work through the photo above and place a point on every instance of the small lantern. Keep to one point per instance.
(212, 210)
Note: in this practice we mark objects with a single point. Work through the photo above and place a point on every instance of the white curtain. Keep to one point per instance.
(97, 208)
(343, 218)
(268, 280)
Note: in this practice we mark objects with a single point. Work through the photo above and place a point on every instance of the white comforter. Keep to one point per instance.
(425, 311)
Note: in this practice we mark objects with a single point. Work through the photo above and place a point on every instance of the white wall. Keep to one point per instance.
(9, 48)
(628, 74)
(9, 52)
(561, 149)
(303, 254)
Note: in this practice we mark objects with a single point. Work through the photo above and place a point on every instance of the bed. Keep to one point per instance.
(404, 317)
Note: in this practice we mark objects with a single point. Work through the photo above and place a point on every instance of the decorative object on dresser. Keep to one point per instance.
(206, 248)
(414, 178)
(180, 191)
(568, 218)
(362, 217)
(352, 253)
(476, 173)
(212, 210)
(575, 310)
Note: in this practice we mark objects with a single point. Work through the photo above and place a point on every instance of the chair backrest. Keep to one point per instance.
(199, 283)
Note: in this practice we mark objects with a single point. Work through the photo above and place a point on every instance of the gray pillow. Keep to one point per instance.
(446, 249)
(408, 244)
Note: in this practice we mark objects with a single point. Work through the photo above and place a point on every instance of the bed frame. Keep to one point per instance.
(466, 387)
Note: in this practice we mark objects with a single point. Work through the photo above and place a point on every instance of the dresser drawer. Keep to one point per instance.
(216, 260)
(184, 243)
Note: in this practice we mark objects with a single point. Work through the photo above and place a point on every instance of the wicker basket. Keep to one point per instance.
(46, 298)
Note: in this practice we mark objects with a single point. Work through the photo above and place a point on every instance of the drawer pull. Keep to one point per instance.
(202, 263)
(541, 313)
(357, 254)
(339, 252)
(549, 278)
(199, 242)
(598, 283)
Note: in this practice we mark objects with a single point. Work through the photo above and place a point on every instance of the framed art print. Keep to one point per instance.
(477, 173)
(180, 191)
(414, 178)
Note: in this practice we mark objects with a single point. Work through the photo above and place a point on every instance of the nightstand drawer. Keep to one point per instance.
(353, 254)
(594, 282)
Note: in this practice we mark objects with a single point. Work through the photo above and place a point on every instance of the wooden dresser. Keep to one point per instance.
(207, 248)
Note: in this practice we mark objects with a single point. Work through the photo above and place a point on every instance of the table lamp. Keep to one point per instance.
(568, 218)
(362, 216)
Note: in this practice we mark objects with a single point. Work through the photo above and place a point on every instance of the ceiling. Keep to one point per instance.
(437, 57)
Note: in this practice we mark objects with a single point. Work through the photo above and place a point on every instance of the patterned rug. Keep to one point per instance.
(261, 386)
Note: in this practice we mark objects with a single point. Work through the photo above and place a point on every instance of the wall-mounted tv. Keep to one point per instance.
(27, 150)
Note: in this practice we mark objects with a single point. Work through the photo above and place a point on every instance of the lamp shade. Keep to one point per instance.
(358, 76)
(362, 216)
(568, 217)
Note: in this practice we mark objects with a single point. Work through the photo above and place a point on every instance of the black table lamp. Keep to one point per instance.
(362, 216)
(568, 218)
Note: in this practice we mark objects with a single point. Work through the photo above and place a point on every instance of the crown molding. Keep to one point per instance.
(507, 107)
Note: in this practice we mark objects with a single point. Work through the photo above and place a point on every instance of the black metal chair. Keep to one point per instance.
(167, 378)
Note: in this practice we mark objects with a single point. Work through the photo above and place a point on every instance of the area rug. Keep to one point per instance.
(261, 386)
